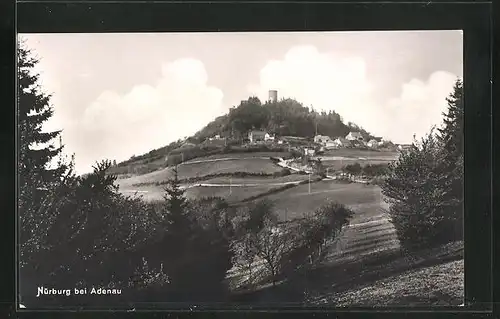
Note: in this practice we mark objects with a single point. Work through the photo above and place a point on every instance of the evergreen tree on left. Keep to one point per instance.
(37, 180)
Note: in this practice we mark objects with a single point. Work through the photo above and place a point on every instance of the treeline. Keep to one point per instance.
(80, 232)
(425, 185)
(286, 117)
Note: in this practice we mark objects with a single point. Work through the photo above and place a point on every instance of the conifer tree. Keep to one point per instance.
(177, 221)
(37, 181)
(452, 163)
(36, 150)
(451, 134)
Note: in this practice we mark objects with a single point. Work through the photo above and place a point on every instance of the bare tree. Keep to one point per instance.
(246, 256)
(272, 243)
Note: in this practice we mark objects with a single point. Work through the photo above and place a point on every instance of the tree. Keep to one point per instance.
(313, 234)
(415, 188)
(40, 185)
(319, 168)
(451, 133)
(176, 220)
(425, 185)
(271, 244)
(36, 148)
(452, 159)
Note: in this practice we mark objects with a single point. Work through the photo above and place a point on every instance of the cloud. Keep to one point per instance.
(149, 116)
(419, 106)
(330, 81)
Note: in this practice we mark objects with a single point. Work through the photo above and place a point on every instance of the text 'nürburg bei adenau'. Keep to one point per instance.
(76, 291)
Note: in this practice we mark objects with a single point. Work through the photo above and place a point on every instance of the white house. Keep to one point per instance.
(268, 137)
(309, 151)
(256, 136)
(354, 136)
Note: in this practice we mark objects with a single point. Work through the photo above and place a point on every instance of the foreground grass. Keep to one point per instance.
(441, 284)
(390, 278)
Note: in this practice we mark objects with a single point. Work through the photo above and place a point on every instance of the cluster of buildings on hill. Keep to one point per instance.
(323, 142)
(352, 139)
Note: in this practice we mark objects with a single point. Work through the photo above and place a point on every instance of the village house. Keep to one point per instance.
(256, 136)
(268, 137)
(325, 141)
(354, 136)
(309, 152)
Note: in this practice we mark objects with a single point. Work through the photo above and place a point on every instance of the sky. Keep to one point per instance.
(116, 95)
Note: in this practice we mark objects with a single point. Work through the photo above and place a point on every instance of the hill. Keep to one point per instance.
(286, 117)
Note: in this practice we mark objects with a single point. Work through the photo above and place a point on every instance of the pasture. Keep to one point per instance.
(356, 153)
(369, 231)
(236, 194)
(233, 194)
(297, 202)
(336, 159)
(241, 155)
(337, 164)
(257, 180)
(198, 169)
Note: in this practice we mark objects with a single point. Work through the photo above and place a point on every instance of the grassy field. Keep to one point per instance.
(336, 159)
(155, 192)
(370, 230)
(236, 194)
(356, 153)
(296, 202)
(338, 164)
(190, 170)
(243, 155)
(431, 277)
(258, 180)
(139, 167)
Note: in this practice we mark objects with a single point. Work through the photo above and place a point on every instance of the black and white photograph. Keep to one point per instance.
(260, 169)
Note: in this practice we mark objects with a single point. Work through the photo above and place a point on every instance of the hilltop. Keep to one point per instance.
(286, 117)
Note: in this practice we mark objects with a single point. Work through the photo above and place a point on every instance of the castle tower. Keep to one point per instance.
(273, 96)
